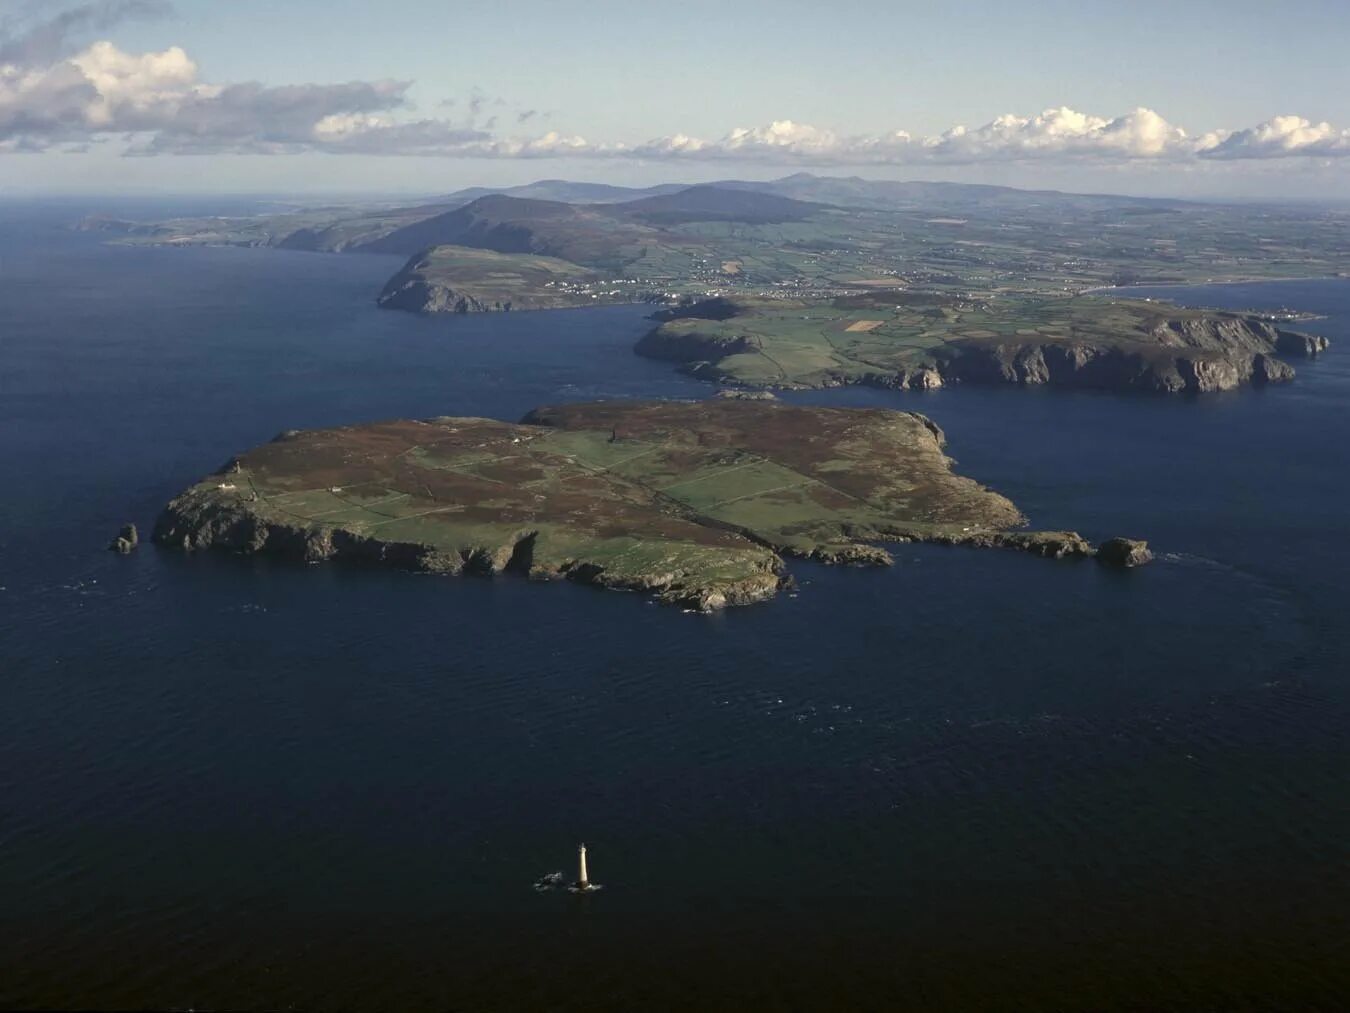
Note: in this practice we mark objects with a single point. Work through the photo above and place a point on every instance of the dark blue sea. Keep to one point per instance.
(977, 780)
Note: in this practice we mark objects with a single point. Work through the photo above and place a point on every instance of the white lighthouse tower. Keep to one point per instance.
(583, 883)
(583, 880)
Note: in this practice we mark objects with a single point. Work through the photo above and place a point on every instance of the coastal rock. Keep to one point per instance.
(1310, 346)
(418, 296)
(1217, 332)
(1124, 552)
(693, 346)
(736, 394)
(1047, 544)
(926, 378)
(128, 538)
(713, 308)
(854, 554)
(1120, 368)
(923, 378)
(1050, 544)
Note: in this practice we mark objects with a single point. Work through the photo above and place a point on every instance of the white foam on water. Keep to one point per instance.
(549, 881)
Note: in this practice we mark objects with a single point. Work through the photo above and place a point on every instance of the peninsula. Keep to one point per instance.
(917, 340)
(460, 279)
(696, 502)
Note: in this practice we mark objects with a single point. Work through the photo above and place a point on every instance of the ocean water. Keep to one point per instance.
(976, 780)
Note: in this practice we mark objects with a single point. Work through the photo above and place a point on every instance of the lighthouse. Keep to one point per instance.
(583, 881)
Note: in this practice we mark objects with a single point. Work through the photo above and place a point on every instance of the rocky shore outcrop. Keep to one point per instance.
(1147, 369)
(1124, 552)
(694, 346)
(128, 538)
(418, 296)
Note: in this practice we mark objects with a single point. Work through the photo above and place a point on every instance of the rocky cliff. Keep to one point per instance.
(416, 295)
(1123, 367)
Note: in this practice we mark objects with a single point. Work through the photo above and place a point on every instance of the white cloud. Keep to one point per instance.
(1058, 133)
(781, 135)
(1061, 133)
(1280, 137)
(156, 103)
(127, 88)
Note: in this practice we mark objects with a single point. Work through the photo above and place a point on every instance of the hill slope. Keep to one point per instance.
(716, 204)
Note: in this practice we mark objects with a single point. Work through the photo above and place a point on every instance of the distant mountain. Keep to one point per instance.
(564, 190)
(408, 229)
(844, 191)
(579, 233)
(589, 234)
(854, 191)
(717, 204)
(507, 220)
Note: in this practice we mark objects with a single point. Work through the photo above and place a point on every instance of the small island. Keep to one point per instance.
(696, 502)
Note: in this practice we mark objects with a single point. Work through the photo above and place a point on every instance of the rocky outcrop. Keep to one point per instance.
(693, 346)
(1224, 332)
(126, 541)
(1046, 544)
(418, 296)
(736, 394)
(1124, 552)
(1229, 332)
(919, 378)
(714, 308)
(1124, 367)
(1195, 353)
(1309, 346)
(855, 554)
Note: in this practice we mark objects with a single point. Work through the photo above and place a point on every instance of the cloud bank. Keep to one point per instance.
(1061, 134)
(54, 95)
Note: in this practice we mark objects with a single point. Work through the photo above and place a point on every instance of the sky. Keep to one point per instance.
(1220, 98)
